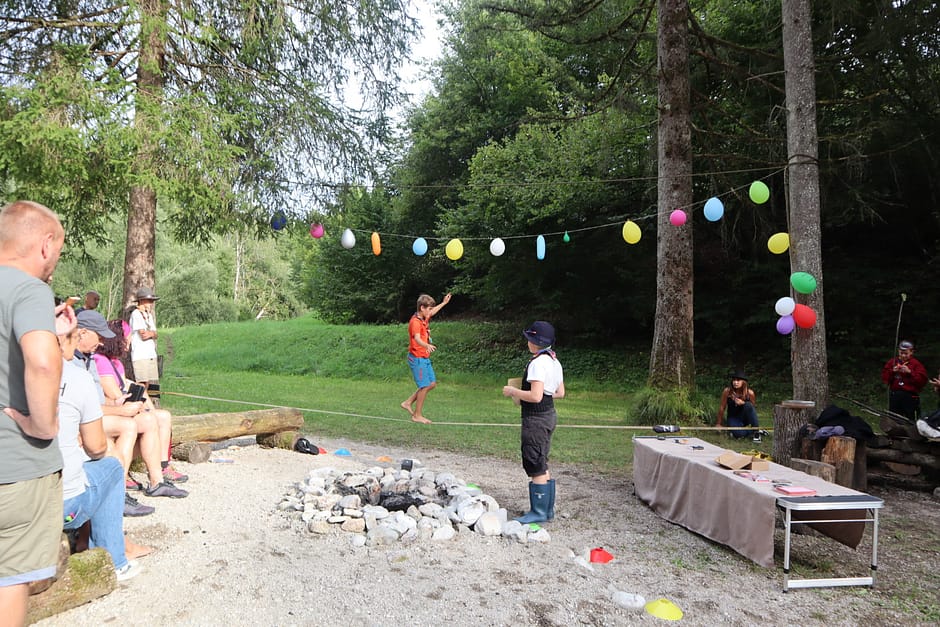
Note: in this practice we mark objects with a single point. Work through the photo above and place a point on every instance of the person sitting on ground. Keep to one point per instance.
(116, 389)
(905, 377)
(92, 481)
(92, 327)
(741, 404)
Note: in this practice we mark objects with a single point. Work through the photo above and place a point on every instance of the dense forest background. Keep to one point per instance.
(542, 121)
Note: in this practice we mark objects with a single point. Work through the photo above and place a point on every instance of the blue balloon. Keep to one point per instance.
(278, 221)
(540, 247)
(714, 209)
(420, 246)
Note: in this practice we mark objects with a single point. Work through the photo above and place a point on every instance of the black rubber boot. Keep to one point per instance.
(539, 500)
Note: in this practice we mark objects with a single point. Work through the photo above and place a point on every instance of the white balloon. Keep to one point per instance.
(348, 240)
(785, 306)
(497, 247)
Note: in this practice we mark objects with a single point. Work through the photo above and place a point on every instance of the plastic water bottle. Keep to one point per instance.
(628, 600)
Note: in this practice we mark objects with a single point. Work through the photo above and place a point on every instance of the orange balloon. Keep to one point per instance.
(376, 244)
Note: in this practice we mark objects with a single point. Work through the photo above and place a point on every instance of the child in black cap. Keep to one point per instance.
(542, 382)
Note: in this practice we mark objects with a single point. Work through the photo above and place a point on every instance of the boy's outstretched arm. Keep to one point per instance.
(440, 305)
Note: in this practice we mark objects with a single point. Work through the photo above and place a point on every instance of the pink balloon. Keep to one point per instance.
(316, 231)
(804, 317)
(677, 217)
(785, 325)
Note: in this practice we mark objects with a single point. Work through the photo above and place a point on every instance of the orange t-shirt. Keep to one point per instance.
(420, 327)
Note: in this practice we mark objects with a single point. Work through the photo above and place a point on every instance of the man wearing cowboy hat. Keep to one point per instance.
(144, 342)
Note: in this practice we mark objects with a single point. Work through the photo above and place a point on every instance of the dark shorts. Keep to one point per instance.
(537, 432)
(421, 370)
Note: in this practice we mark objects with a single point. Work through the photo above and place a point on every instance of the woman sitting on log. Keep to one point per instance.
(116, 388)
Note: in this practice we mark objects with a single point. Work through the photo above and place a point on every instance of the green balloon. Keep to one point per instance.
(803, 282)
(759, 193)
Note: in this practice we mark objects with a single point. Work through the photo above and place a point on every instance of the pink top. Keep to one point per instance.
(110, 368)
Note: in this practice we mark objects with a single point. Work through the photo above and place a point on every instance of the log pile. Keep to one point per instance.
(908, 462)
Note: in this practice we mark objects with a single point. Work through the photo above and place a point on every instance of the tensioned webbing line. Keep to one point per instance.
(450, 424)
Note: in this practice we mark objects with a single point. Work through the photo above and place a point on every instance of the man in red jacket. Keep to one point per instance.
(905, 377)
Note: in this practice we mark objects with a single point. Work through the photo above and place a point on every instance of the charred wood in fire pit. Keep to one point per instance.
(394, 502)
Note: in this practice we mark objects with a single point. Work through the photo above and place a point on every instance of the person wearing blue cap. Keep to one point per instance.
(542, 383)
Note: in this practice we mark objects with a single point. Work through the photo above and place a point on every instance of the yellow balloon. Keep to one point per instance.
(631, 232)
(454, 249)
(778, 243)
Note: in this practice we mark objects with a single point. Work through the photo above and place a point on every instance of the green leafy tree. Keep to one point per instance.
(219, 110)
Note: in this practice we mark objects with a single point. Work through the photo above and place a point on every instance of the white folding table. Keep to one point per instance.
(865, 503)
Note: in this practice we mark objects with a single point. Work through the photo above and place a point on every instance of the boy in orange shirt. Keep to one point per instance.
(419, 355)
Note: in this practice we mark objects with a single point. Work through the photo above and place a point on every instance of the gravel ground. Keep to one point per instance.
(226, 556)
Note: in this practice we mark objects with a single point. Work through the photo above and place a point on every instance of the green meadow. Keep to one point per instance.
(348, 381)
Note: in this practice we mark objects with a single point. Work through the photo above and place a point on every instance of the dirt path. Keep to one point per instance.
(226, 556)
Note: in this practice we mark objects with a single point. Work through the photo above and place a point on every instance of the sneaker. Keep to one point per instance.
(170, 474)
(131, 484)
(127, 571)
(165, 488)
(133, 508)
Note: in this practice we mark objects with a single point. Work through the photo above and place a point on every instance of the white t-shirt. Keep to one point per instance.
(547, 370)
(141, 348)
(78, 404)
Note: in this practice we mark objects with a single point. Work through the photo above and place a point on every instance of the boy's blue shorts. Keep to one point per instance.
(422, 371)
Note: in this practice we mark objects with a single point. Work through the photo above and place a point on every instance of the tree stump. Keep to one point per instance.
(192, 452)
(826, 472)
(789, 417)
(88, 575)
(284, 439)
(840, 452)
(811, 449)
(217, 427)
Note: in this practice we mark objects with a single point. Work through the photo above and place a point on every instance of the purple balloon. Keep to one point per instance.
(785, 325)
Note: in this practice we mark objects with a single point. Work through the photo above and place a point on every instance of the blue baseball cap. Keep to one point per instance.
(94, 321)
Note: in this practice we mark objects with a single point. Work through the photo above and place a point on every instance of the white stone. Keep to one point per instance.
(541, 535)
(488, 524)
(443, 534)
(431, 509)
(357, 540)
(355, 525)
(381, 535)
(350, 501)
(318, 526)
(356, 480)
(375, 510)
(352, 512)
(337, 519)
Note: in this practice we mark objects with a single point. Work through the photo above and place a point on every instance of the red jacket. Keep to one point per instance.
(912, 381)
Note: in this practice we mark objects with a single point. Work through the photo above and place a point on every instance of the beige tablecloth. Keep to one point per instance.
(687, 487)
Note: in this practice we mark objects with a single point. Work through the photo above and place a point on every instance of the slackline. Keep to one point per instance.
(458, 424)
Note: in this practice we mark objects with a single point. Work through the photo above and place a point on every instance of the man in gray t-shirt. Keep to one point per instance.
(31, 240)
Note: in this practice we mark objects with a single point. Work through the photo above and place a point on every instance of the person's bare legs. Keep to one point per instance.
(165, 428)
(149, 445)
(133, 550)
(13, 600)
(123, 430)
(406, 404)
(420, 396)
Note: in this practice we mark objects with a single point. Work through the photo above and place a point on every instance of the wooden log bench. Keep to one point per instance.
(193, 435)
(80, 578)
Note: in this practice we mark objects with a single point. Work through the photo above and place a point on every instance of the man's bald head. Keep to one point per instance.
(31, 238)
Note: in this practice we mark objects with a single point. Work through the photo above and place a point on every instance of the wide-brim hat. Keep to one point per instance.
(540, 333)
(739, 374)
(94, 321)
(145, 293)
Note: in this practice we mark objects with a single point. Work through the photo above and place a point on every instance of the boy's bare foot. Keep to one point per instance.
(407, 407)
(420, 419)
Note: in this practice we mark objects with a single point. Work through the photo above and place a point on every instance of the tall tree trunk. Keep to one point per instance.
(672, 358)
(140, 253)
(809, 362)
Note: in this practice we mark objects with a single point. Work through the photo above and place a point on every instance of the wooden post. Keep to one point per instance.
(284, 439)
(88, 575)
(789, 416)
(840, 452)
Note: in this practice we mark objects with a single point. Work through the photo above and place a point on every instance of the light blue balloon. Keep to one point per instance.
(540, 247)
(420, 246)
(714, 209)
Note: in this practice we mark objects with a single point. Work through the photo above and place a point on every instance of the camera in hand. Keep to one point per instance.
(136, 393)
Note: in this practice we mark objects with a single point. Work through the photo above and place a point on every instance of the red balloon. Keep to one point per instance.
(804, 317)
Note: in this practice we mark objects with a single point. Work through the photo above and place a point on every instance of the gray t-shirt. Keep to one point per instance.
(26, 305)
(78, 405)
